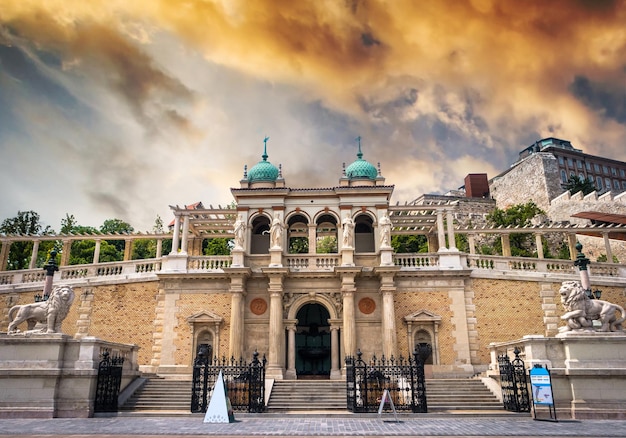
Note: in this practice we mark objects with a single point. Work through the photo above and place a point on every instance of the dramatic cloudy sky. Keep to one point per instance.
(119, 108)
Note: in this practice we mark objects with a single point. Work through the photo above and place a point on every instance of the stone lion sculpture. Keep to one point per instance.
(581, 310)
(49, 313)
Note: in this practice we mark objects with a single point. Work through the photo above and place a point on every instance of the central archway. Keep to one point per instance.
(313, 342)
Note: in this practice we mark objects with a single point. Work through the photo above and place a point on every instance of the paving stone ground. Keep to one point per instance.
(301, 426)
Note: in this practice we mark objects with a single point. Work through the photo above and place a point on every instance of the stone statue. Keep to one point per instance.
(49, 313)
(581, 311)
(385, 231)
(240, 233)
(276, 233)
(348, 231)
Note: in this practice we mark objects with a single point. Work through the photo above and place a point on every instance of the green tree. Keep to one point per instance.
(409, 243)
(26, 223)
(116, 226)
(326, 245)
(577, 184)
(298, 245)
(518, 215)
(218, 246)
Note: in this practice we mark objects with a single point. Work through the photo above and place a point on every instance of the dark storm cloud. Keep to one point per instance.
(609, 99)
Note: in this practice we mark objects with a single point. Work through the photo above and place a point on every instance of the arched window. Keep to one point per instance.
(260, 238)
(326, 234)
(363, 234)
(298, 234)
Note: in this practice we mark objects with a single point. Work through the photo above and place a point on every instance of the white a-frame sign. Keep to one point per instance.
(219, 410)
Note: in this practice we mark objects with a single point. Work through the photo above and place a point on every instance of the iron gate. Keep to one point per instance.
(513, 382)
(108, 383)
(403, 378)
(244, 382)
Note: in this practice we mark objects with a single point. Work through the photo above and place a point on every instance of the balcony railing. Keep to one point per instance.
(313, 262)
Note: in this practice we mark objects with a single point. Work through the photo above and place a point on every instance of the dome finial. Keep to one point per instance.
(264, 156)
(360, 154)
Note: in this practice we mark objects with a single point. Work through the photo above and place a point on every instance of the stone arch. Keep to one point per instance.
(364, 240)
(297, 224)
(327, 224)
(312, 298)
(259, 224)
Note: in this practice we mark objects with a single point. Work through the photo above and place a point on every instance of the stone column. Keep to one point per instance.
(33, 256)
(65, 255)
(348, 289)
(185, 236)
(539, 244)
(433, 243)
(450, 224)
(607, 245)
(4, 254)
(237, 310)
(128, 248)
(506, 245)
(335, 354)
(291, 350)
(312, 239)
(441, 234)
(159, 248)
(571, 241)
(387, 290)
(96, 252)
(472, 243)
(276, 359)
(176, 236)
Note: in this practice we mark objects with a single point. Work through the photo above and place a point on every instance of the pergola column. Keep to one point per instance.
(539, 244)
(128, 247)
(450, 225)
(506, 245)
(4, 254)
(33, 256)
(96, 252)
(176, 236)
(441, 234)
(471, 241)
(571, 242)
(159, 248)
(67, 249)
(185, 237)
(607, 245)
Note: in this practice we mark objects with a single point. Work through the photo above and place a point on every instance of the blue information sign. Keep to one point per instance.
(541, 386)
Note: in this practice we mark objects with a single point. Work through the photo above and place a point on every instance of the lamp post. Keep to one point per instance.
(50, 268)
(582, 262)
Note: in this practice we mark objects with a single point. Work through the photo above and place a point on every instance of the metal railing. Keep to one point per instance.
(244, 382)
(108, 383)
(402, 378)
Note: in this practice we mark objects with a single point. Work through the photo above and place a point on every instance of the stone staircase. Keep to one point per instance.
(308, 395)
(443, 395)
(159, 394)
(460, 395)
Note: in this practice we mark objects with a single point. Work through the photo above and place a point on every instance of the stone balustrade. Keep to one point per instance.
(314, 262)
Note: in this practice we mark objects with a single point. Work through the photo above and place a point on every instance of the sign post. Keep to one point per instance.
(541, 390)
(387, 398)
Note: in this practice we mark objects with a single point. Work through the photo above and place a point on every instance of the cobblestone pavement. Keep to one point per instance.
(302, 426)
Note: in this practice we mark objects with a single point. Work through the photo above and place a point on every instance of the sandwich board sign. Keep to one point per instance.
(386, 398)
(219, 410)
(541, 385)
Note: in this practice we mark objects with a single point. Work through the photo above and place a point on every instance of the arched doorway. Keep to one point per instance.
(313, 352)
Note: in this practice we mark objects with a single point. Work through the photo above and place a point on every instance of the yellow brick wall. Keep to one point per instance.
(125, 313)
(190, 304)
(436, 302)
(506, 310)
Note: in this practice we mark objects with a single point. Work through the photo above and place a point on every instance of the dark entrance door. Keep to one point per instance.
(313, 342)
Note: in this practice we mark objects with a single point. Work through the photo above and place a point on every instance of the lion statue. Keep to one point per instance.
(49, 313)
(581, 310)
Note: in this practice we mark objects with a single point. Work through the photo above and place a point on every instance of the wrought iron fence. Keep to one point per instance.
(514, 383)
(108, 383)
(244, 382)
(403, 378)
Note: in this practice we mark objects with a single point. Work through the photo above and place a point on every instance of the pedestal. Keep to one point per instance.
(174, 263)
(276, 257)
(386, 256)
(347, 256)
(237, 255)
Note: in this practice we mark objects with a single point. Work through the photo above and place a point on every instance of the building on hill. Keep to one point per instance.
(313, 277)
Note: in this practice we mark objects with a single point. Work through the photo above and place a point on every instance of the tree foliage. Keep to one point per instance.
(326, 245)
(409, 243)
(20, 253)
(577, 184)
(218, 246)
(518, 215)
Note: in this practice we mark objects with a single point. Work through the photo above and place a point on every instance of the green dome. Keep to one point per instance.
(263, 170)
(361, 168)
